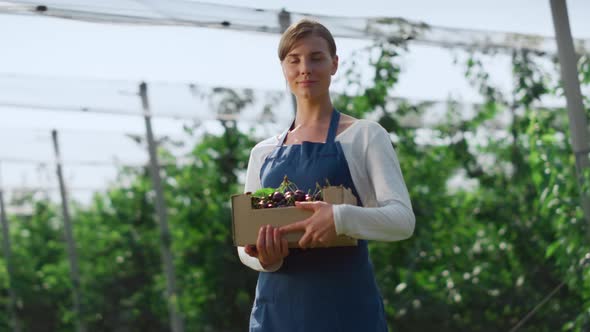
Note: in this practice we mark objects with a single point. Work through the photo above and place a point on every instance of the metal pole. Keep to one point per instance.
(285, 22)
(176, 322)
(7, 251)
(578, 121)
(71, 244)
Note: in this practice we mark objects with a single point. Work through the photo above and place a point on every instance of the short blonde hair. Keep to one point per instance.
(301, 29)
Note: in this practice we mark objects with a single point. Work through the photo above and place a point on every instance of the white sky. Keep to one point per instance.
(60, 47)
(47, 47)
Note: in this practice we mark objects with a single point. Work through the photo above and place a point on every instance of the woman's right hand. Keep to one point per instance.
(270, 247)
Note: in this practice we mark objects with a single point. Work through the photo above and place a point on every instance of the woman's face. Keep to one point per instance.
(308, 67)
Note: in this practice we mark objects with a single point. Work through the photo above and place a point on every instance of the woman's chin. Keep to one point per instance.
(308, 95)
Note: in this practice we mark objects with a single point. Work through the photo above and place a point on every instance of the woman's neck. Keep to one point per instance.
(310, 113)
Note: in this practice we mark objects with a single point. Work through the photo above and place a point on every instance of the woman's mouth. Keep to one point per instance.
(306, 83)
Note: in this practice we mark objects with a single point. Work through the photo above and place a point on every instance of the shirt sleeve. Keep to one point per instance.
(253, 184)
(392, 219)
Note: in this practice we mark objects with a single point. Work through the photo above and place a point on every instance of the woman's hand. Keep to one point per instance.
(319, 229)
(270, 247)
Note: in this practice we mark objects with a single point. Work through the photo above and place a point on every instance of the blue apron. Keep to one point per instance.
(321, 289)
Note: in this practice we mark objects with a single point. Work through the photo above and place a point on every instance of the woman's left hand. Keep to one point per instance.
(319, 229)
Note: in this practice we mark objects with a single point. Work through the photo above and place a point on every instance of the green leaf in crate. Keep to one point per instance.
(263, 192)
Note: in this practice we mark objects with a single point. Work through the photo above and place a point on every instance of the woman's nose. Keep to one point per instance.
(305, 68)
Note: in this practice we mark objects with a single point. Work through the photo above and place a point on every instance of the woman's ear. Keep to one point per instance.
(334, 64)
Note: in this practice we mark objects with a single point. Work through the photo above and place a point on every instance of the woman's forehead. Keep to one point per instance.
(309, 45)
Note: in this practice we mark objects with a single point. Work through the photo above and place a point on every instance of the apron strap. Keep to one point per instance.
(333, 126)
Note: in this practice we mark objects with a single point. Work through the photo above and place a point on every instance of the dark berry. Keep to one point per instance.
(277, 197)
(299, 195)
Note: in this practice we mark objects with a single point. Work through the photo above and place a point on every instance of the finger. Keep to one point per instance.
(284, 247)
(251, 250)
(307, 205)
(277, 240)
(294, 227)
(314, 243)
(261, 242)
(269, 241)
(320, 242)
(305, 241)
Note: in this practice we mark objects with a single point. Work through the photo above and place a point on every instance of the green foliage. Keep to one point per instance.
(41, 269)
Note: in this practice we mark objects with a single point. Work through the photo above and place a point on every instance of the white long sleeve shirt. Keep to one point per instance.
(386, 214)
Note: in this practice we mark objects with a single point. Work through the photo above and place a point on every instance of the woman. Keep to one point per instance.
(314, 288)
